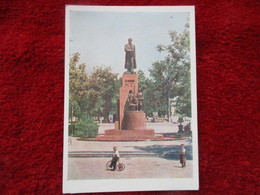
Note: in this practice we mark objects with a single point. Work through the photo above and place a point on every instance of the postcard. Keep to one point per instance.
(130, 113)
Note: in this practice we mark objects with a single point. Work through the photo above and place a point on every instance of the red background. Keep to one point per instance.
(32, 88)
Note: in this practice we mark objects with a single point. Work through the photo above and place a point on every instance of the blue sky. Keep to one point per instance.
(100, 36)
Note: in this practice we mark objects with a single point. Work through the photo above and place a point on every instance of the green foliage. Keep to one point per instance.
(171, 76)
(184, 134)
(149, 93)
(180, 120)
(90, 95)
(71, 129)
(77, 87)
(102, 91)
(86, 126)
(142, 80)
(94, 94)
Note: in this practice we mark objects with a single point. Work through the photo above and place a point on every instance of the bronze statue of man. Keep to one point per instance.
(130, 62)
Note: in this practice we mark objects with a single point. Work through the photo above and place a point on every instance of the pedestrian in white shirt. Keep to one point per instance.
(115, 158)
(183, 156)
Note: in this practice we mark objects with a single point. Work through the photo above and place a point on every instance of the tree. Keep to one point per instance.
(142, 80)
(171, 76)
(102, 92)
(82, 124)
(151, 95)
(77, 86)
(93, 94)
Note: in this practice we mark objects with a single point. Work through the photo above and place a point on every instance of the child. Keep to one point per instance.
(115, 158)
(183, 156)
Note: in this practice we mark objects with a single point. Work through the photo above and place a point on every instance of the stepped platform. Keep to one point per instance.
(103, 154)
(130, 135)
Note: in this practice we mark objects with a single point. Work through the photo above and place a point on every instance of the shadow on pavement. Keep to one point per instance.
(170, 152)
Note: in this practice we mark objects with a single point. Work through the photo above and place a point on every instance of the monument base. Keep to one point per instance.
(127, 135)
(134, 120)
(137, 132)
(130, 135)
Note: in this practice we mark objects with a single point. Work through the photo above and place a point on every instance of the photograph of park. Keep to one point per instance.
(130, 99)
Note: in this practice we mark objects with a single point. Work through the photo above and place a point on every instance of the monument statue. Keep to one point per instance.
(131, 99)
(135, 101)
(140, 99)
(130, 62)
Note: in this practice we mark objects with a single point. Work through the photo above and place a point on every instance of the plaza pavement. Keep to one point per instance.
(136, 166)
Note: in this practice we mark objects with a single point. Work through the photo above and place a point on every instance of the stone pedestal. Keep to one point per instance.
(129, 82)
(130, 135)
(134, 120)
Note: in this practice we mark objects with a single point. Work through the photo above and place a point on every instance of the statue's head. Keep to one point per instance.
(129, 40)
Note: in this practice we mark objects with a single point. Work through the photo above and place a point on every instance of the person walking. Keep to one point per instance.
(183, 156)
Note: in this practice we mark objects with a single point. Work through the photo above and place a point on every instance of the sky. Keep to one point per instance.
(100, 36)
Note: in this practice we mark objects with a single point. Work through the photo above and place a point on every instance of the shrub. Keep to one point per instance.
(184, 134)
(71, 129)
(86, 126)
(180, 120)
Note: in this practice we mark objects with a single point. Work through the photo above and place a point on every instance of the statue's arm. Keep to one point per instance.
(129, 48)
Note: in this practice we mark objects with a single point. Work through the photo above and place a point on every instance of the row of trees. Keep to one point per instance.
(95, 94)
(169, 81)
(90, 95)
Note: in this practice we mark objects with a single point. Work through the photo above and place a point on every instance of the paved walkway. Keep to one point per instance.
(139, 167)
(165, 165)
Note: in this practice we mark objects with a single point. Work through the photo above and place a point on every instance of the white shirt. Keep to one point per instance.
(116, 153)
(182, 150)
